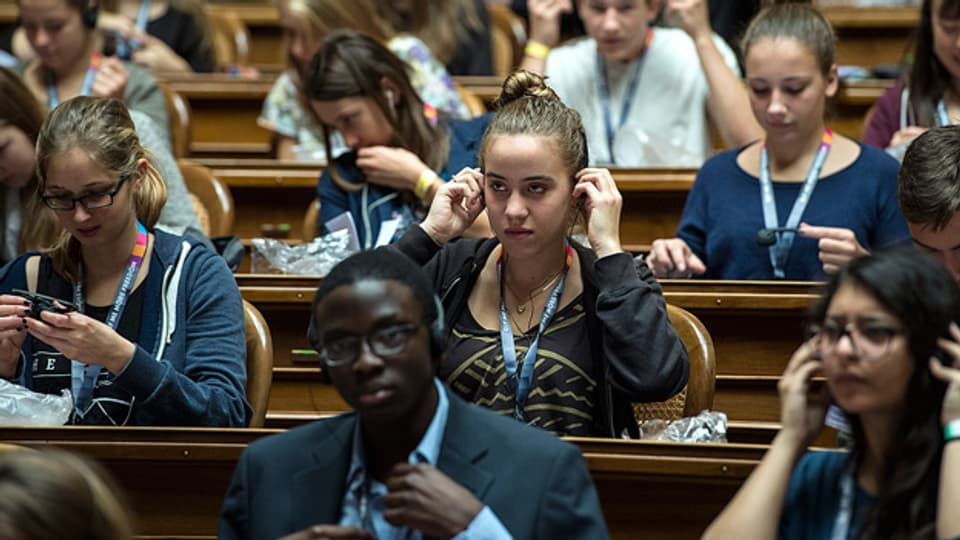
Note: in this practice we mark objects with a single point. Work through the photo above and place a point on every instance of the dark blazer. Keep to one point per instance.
(536, 484)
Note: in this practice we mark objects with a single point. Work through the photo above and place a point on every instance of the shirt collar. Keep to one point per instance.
(427, 451)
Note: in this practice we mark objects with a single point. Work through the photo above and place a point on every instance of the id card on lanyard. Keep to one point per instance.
(522, 382)
(628, 95)
(781, 248)
(84, 376)
(841, 525)
(53, 98)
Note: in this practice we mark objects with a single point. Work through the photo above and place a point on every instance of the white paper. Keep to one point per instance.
(387, 229)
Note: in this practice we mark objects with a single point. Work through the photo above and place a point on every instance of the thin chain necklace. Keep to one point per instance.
(540, 289)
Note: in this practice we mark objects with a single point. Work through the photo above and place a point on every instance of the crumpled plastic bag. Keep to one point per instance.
(315, 258)
(21, 406)
(707, 426)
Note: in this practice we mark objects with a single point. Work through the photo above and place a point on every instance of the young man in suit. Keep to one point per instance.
(413, 460)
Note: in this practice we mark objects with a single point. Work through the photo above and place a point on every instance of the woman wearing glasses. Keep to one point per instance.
(156, 336)
(880, 323)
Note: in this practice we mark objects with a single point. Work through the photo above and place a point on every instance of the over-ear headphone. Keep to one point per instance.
(438, 341)
(388, 93)
(90, 13)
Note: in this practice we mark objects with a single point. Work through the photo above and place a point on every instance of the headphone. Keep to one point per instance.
(388, 93)
(438, 339)
(90, 13)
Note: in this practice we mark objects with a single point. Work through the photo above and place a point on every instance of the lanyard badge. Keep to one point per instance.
(53, 99)
(784, 239)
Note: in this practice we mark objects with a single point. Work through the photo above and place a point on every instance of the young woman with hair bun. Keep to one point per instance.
(561, 335)
(156, 336)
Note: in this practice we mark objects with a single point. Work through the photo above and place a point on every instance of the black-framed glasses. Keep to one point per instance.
(869, 339)
(90, 201)
(385, 342)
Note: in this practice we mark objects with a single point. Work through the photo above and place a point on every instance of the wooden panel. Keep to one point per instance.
(176, 478)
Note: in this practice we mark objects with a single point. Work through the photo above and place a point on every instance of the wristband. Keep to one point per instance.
(951, 431)
(426, 179)
(535, 49)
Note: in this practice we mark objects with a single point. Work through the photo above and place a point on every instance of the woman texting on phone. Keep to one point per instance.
(878, 326)
(157, 335)
(559, 335)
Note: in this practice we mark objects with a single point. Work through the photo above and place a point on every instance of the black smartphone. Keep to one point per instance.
(41, 302)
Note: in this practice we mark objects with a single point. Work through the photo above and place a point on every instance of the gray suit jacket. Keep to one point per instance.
(536, 484)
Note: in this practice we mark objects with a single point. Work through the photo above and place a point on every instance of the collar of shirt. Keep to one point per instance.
(363, 498)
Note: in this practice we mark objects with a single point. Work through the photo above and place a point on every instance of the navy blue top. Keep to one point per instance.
(372, 205)
(813, 498)
(723, 214)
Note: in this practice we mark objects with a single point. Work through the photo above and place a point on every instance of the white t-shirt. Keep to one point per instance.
(667, 123)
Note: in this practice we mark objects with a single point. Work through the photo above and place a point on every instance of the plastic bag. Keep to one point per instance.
(705, 427)
(20, 406)
(316, 258)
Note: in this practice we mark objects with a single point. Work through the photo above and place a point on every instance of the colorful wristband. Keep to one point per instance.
(951, 431)
(427, 178)
(535, 49)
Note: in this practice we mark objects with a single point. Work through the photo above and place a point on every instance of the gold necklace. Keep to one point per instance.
(540, 289)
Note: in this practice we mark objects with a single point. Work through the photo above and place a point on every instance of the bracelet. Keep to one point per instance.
(535, 49)
(426, 179)
(951, 431)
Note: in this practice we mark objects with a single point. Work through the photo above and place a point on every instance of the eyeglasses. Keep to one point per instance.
(384, 343)
(90, 202)
(869, 340)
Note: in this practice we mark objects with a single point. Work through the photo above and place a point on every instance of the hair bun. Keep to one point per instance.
(521, 84)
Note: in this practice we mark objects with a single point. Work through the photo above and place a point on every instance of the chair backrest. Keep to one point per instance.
(178, 115)
(311, 225)
(213, 193)
(698, 394)
(231, 39)
(471, 100)
(508, 37)
(259, 363)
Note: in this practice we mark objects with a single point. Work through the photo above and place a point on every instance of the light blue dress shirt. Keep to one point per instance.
(363, 499)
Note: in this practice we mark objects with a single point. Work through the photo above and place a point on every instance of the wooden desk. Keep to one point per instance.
(872, 36)
(755, 327)
(176, 478)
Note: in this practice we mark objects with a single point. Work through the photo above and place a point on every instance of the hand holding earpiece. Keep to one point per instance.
(691, 16)
(111, 79)
(802, 409)
(601, 205)
(544, 18)
(390, 166)
(837, 245)
(13, 313)
(673, 258)
(455, 206)
(949, 372)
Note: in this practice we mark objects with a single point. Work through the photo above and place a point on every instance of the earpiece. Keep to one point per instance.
(90, 14)
(388, 93)
(438, 342)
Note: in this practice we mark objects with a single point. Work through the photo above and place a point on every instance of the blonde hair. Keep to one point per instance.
(527, 106)
(51, 494)
(101, 128)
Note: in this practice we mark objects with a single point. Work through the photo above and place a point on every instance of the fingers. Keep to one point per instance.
(673, 258)
(110, 80)
(837, 245)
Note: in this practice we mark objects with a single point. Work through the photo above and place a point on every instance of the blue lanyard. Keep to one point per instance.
(781, 248)
(525, 380)
(53, 99)
(124, 48)
(627, 97)
(841, 525)
(84, 377)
